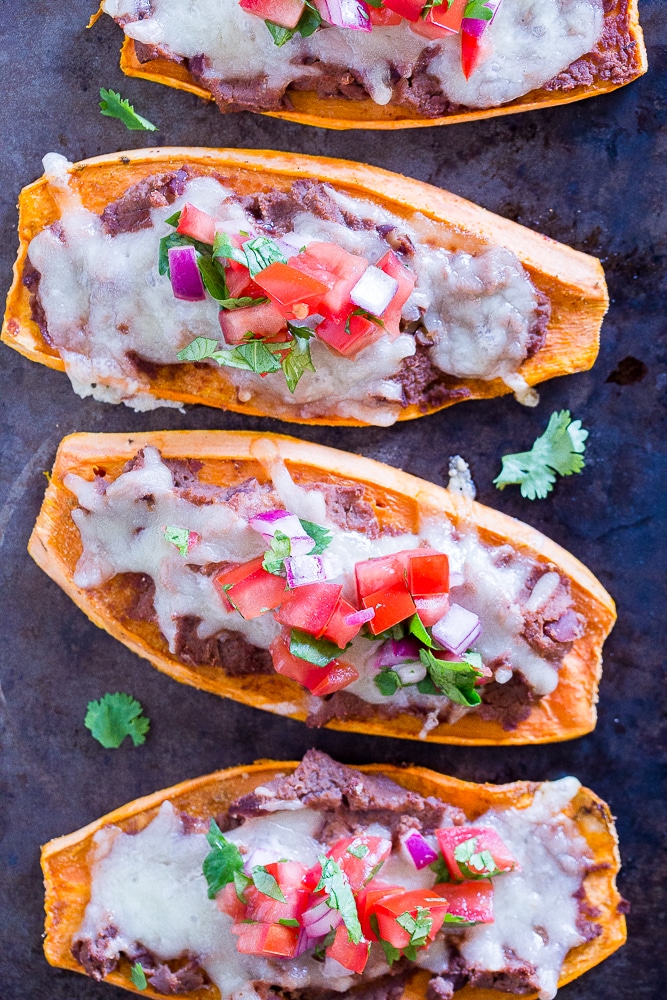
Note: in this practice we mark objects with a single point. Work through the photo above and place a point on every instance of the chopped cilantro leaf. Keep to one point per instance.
(478, 10)
(417, 628)
(223, 247)
(428, 687)
(253, 356)
(274, 557)
(455, 680)
(279, 34)
(114, 717)
(321, 536)
(308, 23)
(300, 331)
(114, 106)
(289, 922)
(267, 884)
(260, 252)
(319, 652)
(138, 976)
(474, 863)
(391, 954)
(451, 918)
(319, 950)
(387, 682)
(199, 349)
(341, 898)
(178, 537)
(559, 450)
(441, 870)
(297, 360)
(430, 4)
(213, 276)
(174, 219)
(358, 850)
(241, 883)
(418, 927)
(241, 303)
(366, 315)
(222, 862)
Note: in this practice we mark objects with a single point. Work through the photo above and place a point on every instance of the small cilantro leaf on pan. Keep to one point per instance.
(114, 106)
(559, 450)
(114, 717)
(138, 976)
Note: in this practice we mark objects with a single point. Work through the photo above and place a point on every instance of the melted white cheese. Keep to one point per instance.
(122, 530)
(530, 42)
(103, 297)
(151, 888)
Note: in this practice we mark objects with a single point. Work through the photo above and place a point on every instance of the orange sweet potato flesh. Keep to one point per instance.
(400, 500)
(573, 281)
(67, 874)
(337, 113)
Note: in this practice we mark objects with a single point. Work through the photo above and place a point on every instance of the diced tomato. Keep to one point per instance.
(319, 680)
(375, 574)
(334, 677)
(406, 279)
(432, 609)
(288, 287)
(263, 320)
(367, 900)
(450, 837)
(428, 574)
(312, 876)
(391, 907)
(346, 269)
(196, 224)
(427, 29)
(382, 18)
(266, 939)
(360, 869)
(450, 17)
(289, 876)
(392, 605)
(286, 13)
(240, 283)
(409, 9)
(472, 901)
(350, 956)
(253, 591)
(362, 333)
(471, 53)
(228, 901)
(310, 608)
(337, 631)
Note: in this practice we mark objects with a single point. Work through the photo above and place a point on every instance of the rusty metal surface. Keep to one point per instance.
(589, 174)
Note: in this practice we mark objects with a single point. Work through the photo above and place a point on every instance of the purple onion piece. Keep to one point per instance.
(348, 14)
(475, 26)
(457, 629)
(419, 849)
(396, 651)
(186, 281)
(360, 617)
(304, 569)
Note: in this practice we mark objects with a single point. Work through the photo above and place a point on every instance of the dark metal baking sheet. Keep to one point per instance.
(591, 174)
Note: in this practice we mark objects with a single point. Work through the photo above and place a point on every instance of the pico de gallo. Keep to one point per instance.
(341, 905)
(275, 295)
(433, 20)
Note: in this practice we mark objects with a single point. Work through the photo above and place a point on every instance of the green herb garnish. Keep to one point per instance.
(387, 682)
(455, 680)
(114, 106)
(222, 862)
(319, 652)
(274, 557)
(114, 717)
(138, 976)
(340, 896)
(178, 537)
(321, 536)
(267, 884)
(558, 450)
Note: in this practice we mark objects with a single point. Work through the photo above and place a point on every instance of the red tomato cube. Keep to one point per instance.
(293, 666)
(337, 631)
(390, 907)
(392, 605)
(471, 53)
(428, 574)
(362, 333)
(449, 838)
(382, 18)
(342, 269)
(350, 956)
(266, 939)
(406, 279)
(334, 677)
(239, 283)
(286, 13)
(310, 608)
(409, 9)
(449, 18)
(287, 286)
(360, 869)
(471, 901)
(264, 320)
(250, 589)
(196, 224)
(367, 899)
(432, 609)
(372, 575)
(228, 902)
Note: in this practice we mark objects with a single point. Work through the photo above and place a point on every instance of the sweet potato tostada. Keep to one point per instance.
(325, 586)
(395, 64)
(519, 877)
(309, 289)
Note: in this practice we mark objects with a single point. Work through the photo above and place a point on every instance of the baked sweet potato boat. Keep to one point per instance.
(600, 48)
(555, 838)
(496, 307)
(159, 551)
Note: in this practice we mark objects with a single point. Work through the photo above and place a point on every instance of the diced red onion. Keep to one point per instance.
(347, 14)
(475, 26)
(186, 281)
(456, 578)
(320, 919)
(304, 942)
(419, 849)
(288, 250)
(374, 290)
(411, 673)
(297, 240)
(360, 617)
(304, 569)
(397, 651)
(457, 630)
(271, 521)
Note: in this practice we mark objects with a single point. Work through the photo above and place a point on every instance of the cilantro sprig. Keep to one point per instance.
(114, 106)
(114, 717)
(255, 356)
(340, 896)
(558, 451)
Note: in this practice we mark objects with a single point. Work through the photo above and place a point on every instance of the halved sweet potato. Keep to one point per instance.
(338, 113)
(67, 874)
(573, 281)
(400, 500)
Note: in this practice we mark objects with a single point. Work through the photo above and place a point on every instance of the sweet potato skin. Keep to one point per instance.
(573, 281)
(67, 875)
(399, 499)
(338, 113)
